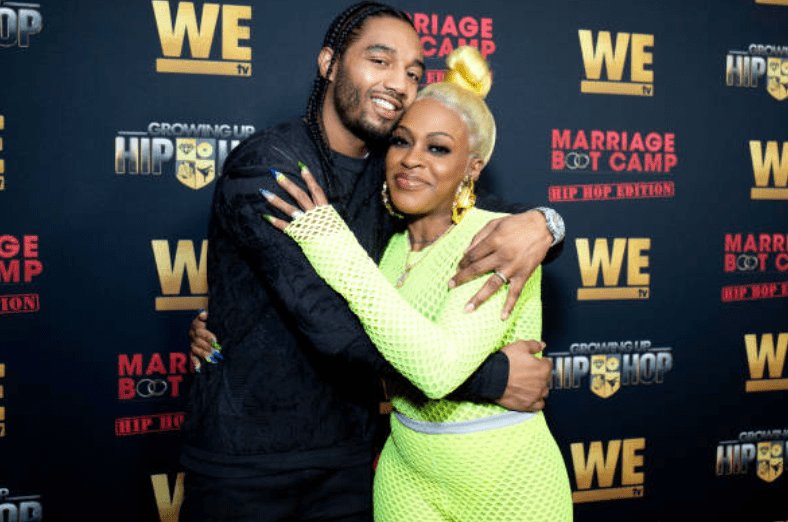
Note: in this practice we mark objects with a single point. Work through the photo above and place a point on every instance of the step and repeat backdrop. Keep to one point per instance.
(659, 130)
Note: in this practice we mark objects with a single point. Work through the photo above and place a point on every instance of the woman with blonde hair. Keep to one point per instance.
(445, 459)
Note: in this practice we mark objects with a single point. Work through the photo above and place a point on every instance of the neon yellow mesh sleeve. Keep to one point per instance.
(421, 329)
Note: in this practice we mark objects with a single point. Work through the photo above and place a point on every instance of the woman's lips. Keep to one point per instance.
(406, 182)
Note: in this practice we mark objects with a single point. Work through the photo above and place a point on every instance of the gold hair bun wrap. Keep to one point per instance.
(467, 68)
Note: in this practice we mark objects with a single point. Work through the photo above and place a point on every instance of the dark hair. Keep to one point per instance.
(345, 29)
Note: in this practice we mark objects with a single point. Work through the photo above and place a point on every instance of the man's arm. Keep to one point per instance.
(512, 377)
(511, 247)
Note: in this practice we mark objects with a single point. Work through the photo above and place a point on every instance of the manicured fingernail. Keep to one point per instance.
(216, 346)
(469, 308)
(266, 194)
(209, 359)
(216, 356)
(304, 168)
(278, 175)
(268, 218)
(452, 284)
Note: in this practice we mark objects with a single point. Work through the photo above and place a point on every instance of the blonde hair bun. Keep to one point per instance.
(467, 68)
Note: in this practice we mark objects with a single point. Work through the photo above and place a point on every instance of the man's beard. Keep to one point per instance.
(347, 101)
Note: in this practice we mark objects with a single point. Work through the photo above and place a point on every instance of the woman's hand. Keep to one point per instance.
(315, 198)
(203, 341)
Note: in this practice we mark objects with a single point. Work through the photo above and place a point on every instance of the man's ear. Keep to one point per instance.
(324, 60)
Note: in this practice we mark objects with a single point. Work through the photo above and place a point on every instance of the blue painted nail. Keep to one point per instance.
(266, 194)
(278, 175)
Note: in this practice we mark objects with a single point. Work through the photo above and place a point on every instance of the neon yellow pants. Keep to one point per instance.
(508, 474)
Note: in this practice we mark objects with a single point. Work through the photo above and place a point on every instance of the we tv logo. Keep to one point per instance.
(171, 271)
(766, 362)
(235, 58)
(610, 263)
(628, 49)
(768, 164)
(619, 471)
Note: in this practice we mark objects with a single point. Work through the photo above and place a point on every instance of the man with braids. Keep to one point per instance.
(430, 468)
(284, 426)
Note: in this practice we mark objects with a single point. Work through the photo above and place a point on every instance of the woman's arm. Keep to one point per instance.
(436, 356)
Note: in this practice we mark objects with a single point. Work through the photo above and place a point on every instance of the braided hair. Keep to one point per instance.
(345, 29)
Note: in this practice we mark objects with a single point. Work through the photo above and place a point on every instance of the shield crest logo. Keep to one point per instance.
(196, 162)
(605, 375)
(777, 78)
(770, 460)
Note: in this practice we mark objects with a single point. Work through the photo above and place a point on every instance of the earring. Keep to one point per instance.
(384, 195)
(463, 200)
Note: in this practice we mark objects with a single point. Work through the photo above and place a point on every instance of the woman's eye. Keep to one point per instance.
(439, 150)
(398, 141)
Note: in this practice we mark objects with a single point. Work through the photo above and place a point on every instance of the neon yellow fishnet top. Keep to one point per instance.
(420, 328)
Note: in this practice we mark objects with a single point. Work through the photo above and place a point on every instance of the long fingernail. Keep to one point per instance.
(266, 194)
(209, 359)
(277, 175)
(469, 308)
(216, 356)
(304, 168)
(216, 346)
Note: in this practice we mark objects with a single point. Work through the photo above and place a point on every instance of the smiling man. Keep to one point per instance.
(284, 426)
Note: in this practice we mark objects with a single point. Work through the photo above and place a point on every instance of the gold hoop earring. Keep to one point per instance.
(463, 200)
(384, 195)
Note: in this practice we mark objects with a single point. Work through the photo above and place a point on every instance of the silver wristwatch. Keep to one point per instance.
(555, 224)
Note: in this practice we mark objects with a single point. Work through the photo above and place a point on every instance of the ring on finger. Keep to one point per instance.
(503, 277)
(297, 214)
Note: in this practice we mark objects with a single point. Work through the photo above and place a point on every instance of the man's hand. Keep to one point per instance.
(529, 377)
(203, 341)
(512, 247)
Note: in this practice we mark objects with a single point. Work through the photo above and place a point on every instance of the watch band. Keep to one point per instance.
(555, 224)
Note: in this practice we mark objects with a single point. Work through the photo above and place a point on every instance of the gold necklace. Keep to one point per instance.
(408, 267)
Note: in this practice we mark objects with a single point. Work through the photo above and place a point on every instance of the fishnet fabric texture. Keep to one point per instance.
(514, 473)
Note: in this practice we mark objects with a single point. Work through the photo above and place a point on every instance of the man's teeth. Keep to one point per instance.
(384, 104)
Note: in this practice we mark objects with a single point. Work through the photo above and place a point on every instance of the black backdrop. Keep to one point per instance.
(665, 313)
